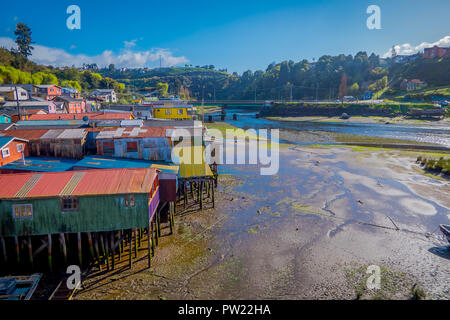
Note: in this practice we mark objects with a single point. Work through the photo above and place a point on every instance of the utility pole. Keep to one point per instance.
(17, 101)
(291, 93)
(317, 91)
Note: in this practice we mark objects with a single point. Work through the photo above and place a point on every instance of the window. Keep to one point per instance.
(108, 147)
(180, 111)
(22, 211)
(5, 153)
(129, 200)
(132, 146)
(69, 204)
(168, 111)
(20, 147)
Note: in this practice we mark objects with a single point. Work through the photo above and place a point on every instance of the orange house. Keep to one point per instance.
(12, 149)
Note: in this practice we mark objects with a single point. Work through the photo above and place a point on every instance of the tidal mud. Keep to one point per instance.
(309, 232)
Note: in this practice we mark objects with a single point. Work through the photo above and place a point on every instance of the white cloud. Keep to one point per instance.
(407, 49)
(124, 58)
(130, 44)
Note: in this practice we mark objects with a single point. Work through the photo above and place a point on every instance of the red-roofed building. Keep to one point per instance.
(80, 116)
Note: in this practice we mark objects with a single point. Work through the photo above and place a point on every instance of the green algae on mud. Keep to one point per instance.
(393, 284)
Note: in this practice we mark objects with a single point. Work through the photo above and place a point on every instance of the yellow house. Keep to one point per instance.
(179, 112)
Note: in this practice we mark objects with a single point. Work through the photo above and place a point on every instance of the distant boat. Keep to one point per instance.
(445, 230)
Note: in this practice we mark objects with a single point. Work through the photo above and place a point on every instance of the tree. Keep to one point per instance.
(162, 88)
(23, 39)
(343, 87)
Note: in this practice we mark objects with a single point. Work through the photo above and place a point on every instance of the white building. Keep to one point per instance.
(108, 95)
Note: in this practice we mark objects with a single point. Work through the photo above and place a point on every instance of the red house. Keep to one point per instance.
(48, 92)
(72, 105)
(12, 149)
(436, 52)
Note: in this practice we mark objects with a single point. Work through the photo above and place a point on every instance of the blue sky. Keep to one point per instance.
(237, 35)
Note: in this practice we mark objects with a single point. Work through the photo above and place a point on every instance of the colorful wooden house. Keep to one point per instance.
(179, 112)
(133, 143)
(103, 209)
(12, 149)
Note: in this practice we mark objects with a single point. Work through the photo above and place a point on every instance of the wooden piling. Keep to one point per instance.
(153, 239)
(185, 194)
(62, 242)
(97, 252)
(200, 193)
(91, 246)
(5, 254)
(102, 247)
(171, 206)
(80, 252)
(16, 245)
(135, 243)
(149, 248)
(213, 196)
(120, 248)
(130, 258)
(30, 251)
(49, 251)
(106, 240)
(112, 250)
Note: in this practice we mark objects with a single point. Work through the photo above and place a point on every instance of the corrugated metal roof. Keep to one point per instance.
(80, 116)
(35, 134)
(100, 162)
(38, 164)
(24, 134)
(76, 183)
(117, 133)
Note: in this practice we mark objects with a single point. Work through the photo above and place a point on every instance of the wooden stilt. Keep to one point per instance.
(112, 251)
(62, 242)
(191, 185)
(102, 247)
(185, 195)
(201, 195)
(152, 236)
(119, 249)
(158, 219)
(97, 252)
(80, 253)
(171, 205)
(135, 243)
(130, 239)
(16, 245)
(107, 250)
(30, 251)
(91, 246)
(5, 254)
(149, 248)
(49, 246)
(213, 196)
(156, 230)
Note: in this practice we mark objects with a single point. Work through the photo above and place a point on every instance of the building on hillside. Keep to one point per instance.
(134, 143)
(12, 149)
(47, 91)
(72, 105)
(9, 92)
(179, 112)
(107, 95)
(47, 106)
(400, 59)
(436, 52)
(58, 143)
(413, 84)
(70, 92)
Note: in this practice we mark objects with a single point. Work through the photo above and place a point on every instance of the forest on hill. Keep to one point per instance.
(301, 80)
